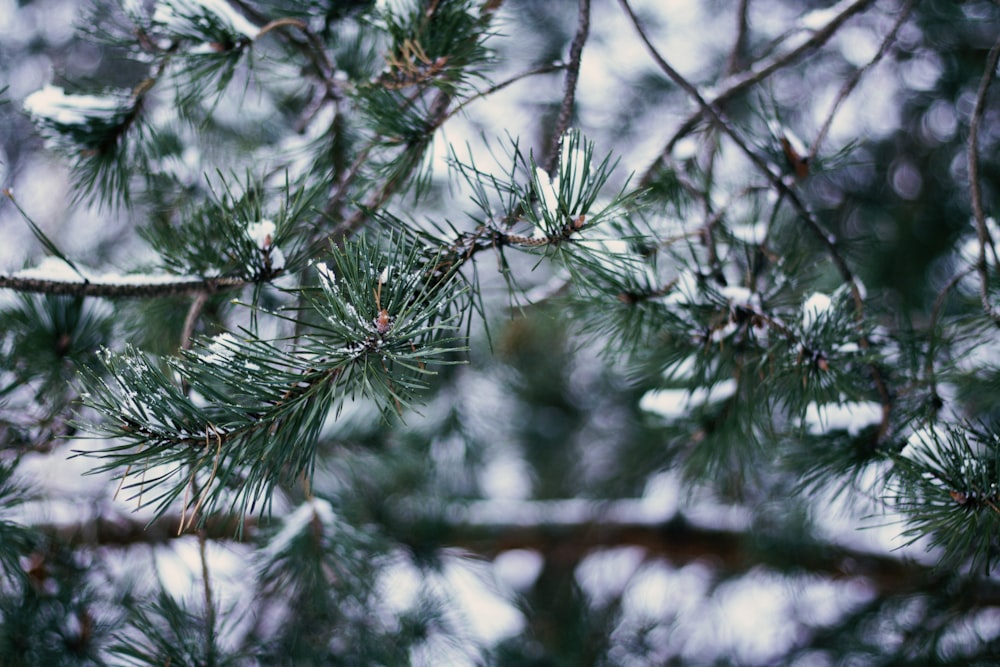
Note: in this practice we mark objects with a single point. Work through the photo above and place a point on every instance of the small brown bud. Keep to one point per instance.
(383, 323)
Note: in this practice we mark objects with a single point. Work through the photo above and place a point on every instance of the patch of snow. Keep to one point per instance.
(297, 522)
(752, 234)
(604, 575)
(54, 105)
(325, 273)
(179, 13)
(850, 416)
(819, 18)
(221, 350)
(506, 477)
(547, 190)
(518, 568)
(572, 163)
(54, 269)
(741, 296)
(261, 233)
(675, 403)
(815, 307)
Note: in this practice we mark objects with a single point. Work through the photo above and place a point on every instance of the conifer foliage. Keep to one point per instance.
(426, 332)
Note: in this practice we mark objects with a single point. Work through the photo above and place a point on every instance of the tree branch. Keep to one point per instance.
(570, 529)
(544, 69)
(740, 83)
(853, 80)
(709, 109)
(143, 288)
(572, 75)
(975, 189)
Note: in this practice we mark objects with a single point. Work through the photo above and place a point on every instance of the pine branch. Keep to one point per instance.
(571, 527)
(443, 30)
(542, 69)
(779, 184)
(141, 288)
(248, 411)
(734, 62)
(313, 48)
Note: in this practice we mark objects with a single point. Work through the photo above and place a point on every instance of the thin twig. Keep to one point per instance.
(313, 49)
(709, 109)
(975, 189)
(734, 62)
(936, 311)
(754, 76)
(207, 589)
(187, 332)
(544, 69)
(437, 115)
(192, 318)
(853, 80)
(488, 529)
(572, 76)
(738, 84)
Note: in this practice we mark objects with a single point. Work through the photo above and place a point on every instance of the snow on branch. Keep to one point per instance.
(54, 276)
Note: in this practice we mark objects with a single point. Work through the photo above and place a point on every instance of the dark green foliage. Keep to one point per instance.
(16, 540)
(54, 612)
(51, 339)
(245, 407)
(948, 491)
(164, 631)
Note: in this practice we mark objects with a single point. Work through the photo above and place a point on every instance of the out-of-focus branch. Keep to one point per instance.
(124, 530)
(853, 80)
(710, 109)
(438, 114)
(543, 69)
(734, 63)
(975, 189)
(570, 529)
(745, 80)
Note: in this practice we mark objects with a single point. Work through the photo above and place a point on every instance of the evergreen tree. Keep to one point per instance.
(461, 332)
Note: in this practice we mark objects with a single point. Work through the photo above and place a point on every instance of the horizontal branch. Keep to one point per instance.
(573, 527)
(125, 531)
(568, 530)
(143, 287)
